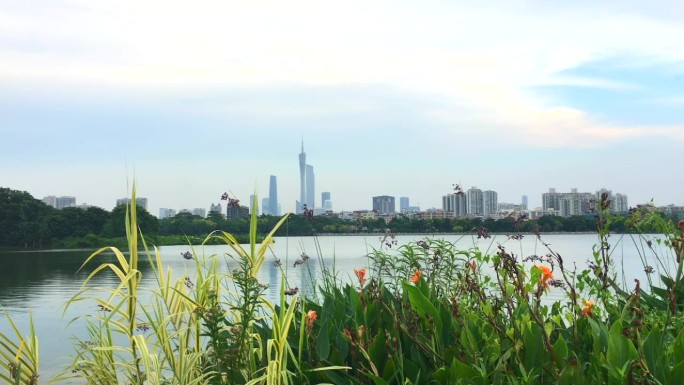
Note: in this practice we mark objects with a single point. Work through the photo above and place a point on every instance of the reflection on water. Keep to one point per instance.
(42, 282)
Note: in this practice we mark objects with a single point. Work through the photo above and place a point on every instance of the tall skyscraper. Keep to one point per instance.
(62, 202)
(524, 202)
(216, 208)
(550, 200)
(302, 179)
(50, 200)
(455, 203)
(383, 204)
(273, 196)
(326, 203)
(310, 188)
(142, 202)
(166, 213)
(490, 201)
(475, 202)
(266, 206)
(403, 204)
(621, 204)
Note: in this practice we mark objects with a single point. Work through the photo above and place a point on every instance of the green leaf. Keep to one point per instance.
(600, 334)
(561, 350)
(323, 341)
(533, 346)
(462, 373)
(676, 374)
(376, 380)
(377, 351)
(342, 344)
(620, 349)
(571, 375)
(653, 354)
(424, 308)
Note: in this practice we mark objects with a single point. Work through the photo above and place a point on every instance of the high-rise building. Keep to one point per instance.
(273, 196)
(62, 202)
(265, 207)
(302, 180)
(550, 200)
(566, 204)
(142, 202)
(50, 200)
(524, 202)
(215, 208)
(621, 204)
(235, 213)
(307, 189)
(490, 200)
(166, 213)
(200, 212)
(59, 202)
(326, 203)
(403, 204)
(474, 202)
(310, 188)
(455, 203)
(383, 204)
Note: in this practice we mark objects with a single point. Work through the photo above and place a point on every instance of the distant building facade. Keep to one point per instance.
(60, 202)
(403, 204)
(165, 213)
(310, 187)
(490, 202)
(215, 208)
(455, 203)
(200, 212)
(383, 204)
(580, 203)
(142, 202)
(302, 180)
(474, 202)
(235, 213)
(273, 196)
(326, 202)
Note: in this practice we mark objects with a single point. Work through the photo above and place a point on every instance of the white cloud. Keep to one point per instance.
(478, 59)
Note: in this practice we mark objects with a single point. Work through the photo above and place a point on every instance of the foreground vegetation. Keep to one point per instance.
(26, 222)
(427, 314)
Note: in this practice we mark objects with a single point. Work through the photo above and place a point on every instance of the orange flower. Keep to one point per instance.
(361, 275)
(546, 274)
(586, 311)
(416, 276)
(311, 316)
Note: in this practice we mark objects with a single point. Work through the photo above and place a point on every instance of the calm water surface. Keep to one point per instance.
(41, 282)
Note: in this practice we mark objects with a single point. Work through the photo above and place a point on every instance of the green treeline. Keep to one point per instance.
(26, 222)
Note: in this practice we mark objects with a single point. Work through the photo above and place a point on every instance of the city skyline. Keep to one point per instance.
(194, 101)
(474, 202)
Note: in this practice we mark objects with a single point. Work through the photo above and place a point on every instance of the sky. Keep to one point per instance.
(401, 98)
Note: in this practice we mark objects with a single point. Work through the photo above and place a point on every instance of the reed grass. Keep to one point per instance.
(426, 313)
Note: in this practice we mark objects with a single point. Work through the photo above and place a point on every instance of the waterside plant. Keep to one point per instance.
(421, 313)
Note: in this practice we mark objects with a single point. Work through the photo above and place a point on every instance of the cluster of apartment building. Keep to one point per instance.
(580, 203)
(471, 203)
(477, 203)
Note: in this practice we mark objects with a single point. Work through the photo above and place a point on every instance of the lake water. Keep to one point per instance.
(41, 282)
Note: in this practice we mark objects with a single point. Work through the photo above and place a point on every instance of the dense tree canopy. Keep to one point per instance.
(26, 222)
